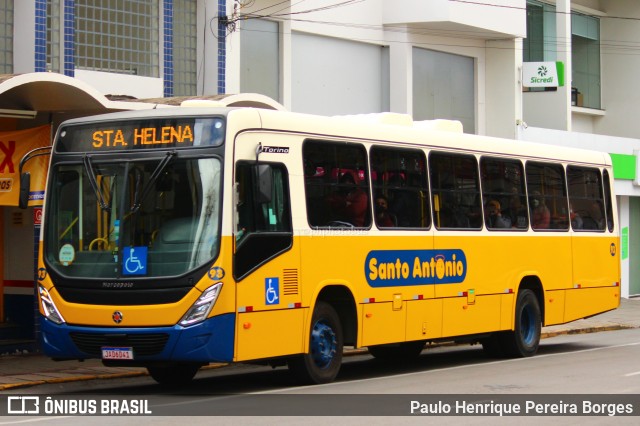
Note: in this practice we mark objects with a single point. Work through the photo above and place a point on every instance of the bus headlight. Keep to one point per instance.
(48, 307)
(201, 308)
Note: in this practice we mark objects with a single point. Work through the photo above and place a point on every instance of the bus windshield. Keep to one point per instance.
(149, 217)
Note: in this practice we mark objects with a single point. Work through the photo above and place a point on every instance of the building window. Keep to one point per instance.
(541, 45)
(6, 36)
(185, 67)
(585, 59)
(533, 45)
(53, 35)
(120, 36)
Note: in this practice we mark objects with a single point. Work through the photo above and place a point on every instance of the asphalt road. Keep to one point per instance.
(600, 370)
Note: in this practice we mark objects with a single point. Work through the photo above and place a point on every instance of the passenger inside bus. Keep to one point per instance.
(405, 202)
(452, 212)
(576, 219)
(384, 219)
(540, 215)
(516, 211)
(494, 217)
(349, 203)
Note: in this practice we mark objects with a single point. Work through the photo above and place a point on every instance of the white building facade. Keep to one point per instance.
(449, 59)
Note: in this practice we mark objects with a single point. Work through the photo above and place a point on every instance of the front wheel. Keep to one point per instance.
(525, 339)
(174, 374)
(321, 363)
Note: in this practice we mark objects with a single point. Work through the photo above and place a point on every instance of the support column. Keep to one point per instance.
(401, 77)
(503, 91)
(563, 37)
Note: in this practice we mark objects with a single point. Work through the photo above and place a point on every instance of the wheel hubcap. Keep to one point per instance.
(323, 344)
(527, 326)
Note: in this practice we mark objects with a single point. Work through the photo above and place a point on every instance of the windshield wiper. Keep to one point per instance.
(137, 202)
(94, 184)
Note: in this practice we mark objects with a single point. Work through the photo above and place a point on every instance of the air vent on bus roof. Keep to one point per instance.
(398, 119)
(440, 124)
(381, 118)
(202, 103)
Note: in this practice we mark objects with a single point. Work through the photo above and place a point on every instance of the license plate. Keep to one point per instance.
(117, 353)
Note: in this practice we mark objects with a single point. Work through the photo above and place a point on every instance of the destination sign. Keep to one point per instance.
(127, 135)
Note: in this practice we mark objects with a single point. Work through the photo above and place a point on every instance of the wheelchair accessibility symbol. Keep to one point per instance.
(134, 261)
(272, 291)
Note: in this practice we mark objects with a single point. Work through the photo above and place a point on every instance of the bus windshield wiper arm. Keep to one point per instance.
(94, 185)
(137, 203)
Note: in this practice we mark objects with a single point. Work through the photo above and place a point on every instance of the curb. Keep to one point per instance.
(349, 352)
(586, 330)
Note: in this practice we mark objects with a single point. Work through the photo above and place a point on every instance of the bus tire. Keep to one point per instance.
(524, 340)
(321, 363)
(174, 374)
(404, 351)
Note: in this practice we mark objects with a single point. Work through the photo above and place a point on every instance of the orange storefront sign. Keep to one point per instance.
(13, 146)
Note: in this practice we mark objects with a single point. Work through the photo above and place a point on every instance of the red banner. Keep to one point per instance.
(13, 146)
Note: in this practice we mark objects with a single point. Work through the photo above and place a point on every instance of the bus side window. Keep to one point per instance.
(586, 199)
(548, 204)
(336, 184)
(503, 183)
(400, 177)
(608, 202)
(455, 187)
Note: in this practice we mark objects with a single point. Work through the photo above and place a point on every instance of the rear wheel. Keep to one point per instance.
(173, 374)
(525, 339)
(322, 363)
(401, 351)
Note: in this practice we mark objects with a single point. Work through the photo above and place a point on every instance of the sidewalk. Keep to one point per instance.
(18, 371)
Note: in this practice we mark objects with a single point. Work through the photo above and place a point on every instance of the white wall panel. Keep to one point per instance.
(333, 76)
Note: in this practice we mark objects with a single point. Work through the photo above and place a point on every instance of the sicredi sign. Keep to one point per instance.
(543, 74)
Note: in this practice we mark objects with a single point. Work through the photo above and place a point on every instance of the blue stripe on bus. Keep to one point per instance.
(209, 341)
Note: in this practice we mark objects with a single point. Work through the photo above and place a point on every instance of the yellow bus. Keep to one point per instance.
(178, 237)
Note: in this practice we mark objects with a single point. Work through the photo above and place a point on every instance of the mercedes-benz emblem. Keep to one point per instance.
(117, 317)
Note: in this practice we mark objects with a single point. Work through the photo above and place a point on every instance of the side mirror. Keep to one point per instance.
(264, 183)
(25, 186)
(25, 178)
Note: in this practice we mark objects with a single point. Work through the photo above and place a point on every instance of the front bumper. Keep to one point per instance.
(209, 341)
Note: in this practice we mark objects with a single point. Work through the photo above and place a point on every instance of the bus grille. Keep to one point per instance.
(142, 344)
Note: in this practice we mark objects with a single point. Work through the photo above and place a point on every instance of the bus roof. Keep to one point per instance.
(386, 127)
(430, 134)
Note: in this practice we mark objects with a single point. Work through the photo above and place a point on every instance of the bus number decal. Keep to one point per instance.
(391, 268)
